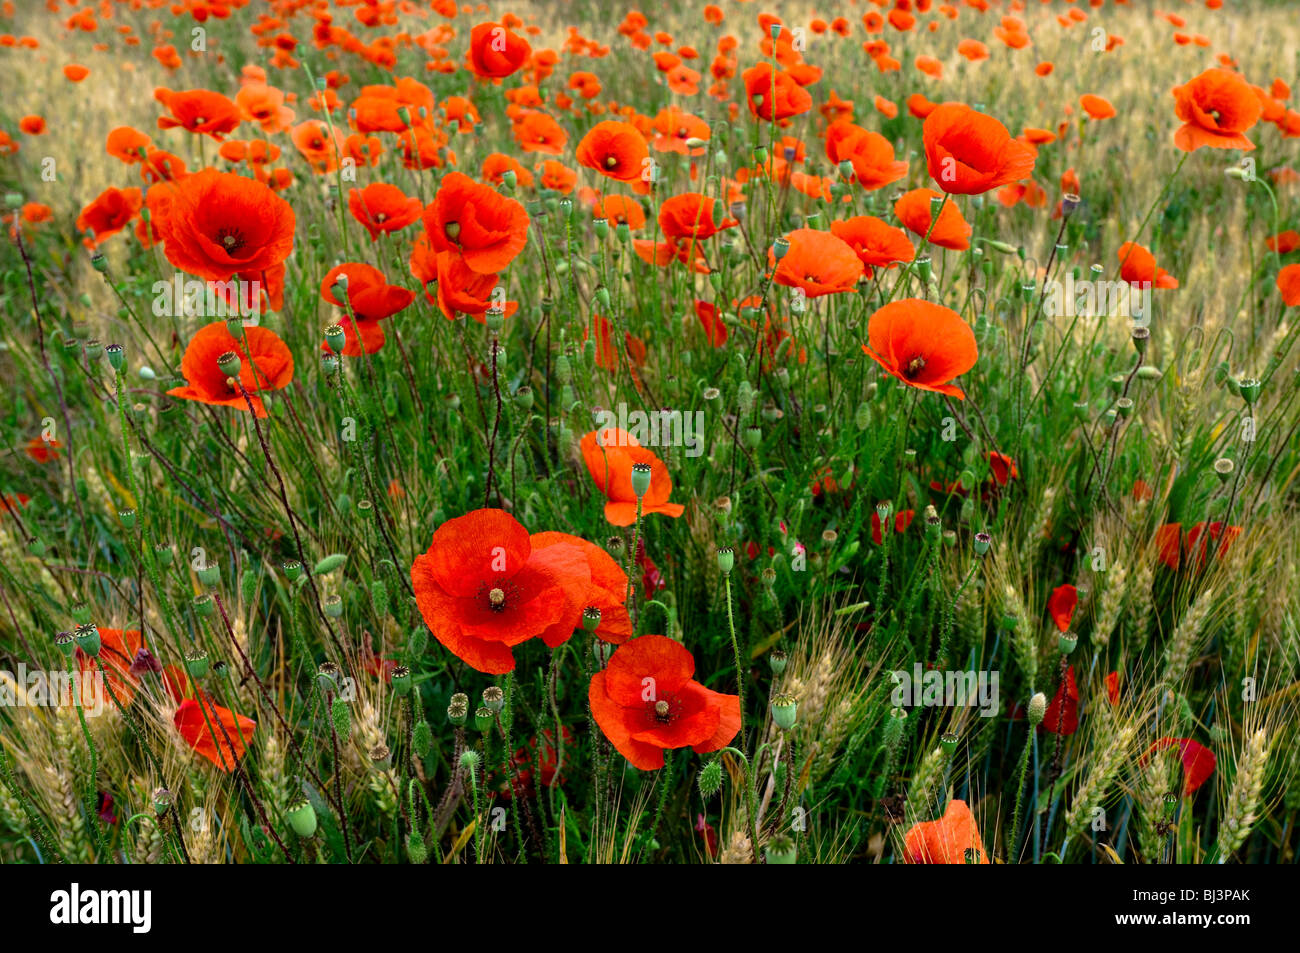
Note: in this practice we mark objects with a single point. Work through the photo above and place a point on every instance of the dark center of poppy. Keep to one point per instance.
(914, 367)
(681, 133)
(231, 240)
(662, 712)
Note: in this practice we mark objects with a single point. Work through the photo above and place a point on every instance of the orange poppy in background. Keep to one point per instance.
(110, 212)
(1061, 605)
(774, 95)
(946, 840)
(870, 154)
(484, 226)
(212, 731)
(1138, 267)
(923, 344)
(1288, 283)
(75, 72)
(623, 210)
(483, 588)
(266, 365)
(197, 110)
(496, 165)
(615, 149)
(609, 454)
(383, 208)
(319, 144)
(673, 126)
(496, 51)
(916, 211)
(969, 153)
(127, 144)
(1096, 107)
(817, 262)
(690, 215)
(646, 702)
(1216, 108)
(219, 223)
(265, 106)
(1198, 761)
(118, 652)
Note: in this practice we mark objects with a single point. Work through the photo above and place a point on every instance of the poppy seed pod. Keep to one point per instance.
(1223, 468)
(401, 680)
(484, 718)
(302, 818)
(196, 663)
(162, 801)
(1249, 388)
(494, 698)
(591, 618)
(87, 636)
(66, 642)
(228, 363)
(210, 574)
(726, 559)
(116, 355)
(204, 606)
(781, 850)
(336, 338)
(458, 710)
(777, 660)
(128, 518)
(641, 474)
(785, 710)
(983, 541)
(948, 743)
(780, 248)
(327, 677)
(80, 613)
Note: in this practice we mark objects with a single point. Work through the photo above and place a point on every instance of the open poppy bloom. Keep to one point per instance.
(381, 207)
(818, 263)
(496, 52)
(690, 215)
(774, 94)
(970, 153)
(370, 299)
(266, 365)
(616, 150)
(608, 592)
(645, 701)
(210, 730)
(1216, 108)
(109, 213)
(483, 588)
(916, 211)
(197, 110)
(218, 224)
(1138, 267)
(1288, 283)
(923, 344)
(1198, 760)
(487, 228)
(869, 153)
(946, 840)
(609, 454)
(876, 243)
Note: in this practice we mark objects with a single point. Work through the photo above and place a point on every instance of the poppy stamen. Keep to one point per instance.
(497, 598)
(914, 367)
(662, 712)
(232, 241)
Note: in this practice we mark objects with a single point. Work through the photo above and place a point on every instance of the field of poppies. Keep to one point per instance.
(728, 433)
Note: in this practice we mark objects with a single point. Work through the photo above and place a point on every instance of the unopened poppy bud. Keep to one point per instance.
(780, 248)
(1223, 468)
(116, 355)
(1148, 373)
(641, 474)
(509, 179)
(1067, 642)
(563, 369)
(336, 338)
(777, 660)
(228, 363)
(760, 153)
(341, 716)
(469, 760)
(591, 618)
(602, 297)
(781, 849)
(726, 559)
(422, 738)
(982, 543)
(87, 636)
(785, 710)
(197, 663)
(13, 200)
(302, 818)
(1037, 709)
(67, 643)
(401, 680)
(1250, 388)
(380, 756)
(329, 363)
(162, 801)
(484, 717)
(710, 779)
(1170, 803)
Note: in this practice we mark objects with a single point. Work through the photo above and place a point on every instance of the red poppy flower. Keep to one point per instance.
(608, 592)
(381, 207)
(969, 153)
(916, 211)
(1216, 108)
(690, 215)
(370, 299)
(902, 520)
(1198, 761)
(1003, 467)
(774, 94)
(923, 344)
(1138, 267)
(616, 150)
(216, 733)
(646, 702)
(487, 228)
(198, 110)
(1112, 688)
(1061, 605)
(946, 840)
(495, 51)
(266, 365)
(118, 650)
(876, 243)
(817, 262)
(220, 223)
(110, 212)
(1288, 283)
(482, 588)
(609, 455)
(1062, 715)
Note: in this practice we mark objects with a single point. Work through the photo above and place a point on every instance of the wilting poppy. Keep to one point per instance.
(646, 702)
(220, 223)
(817, 263)
(923, 344)
(946, 840)
(969, 153)
(381, 207)
(483, 588)
(609, 454)
(1216, 108)
(487, 228)
(266, 365)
